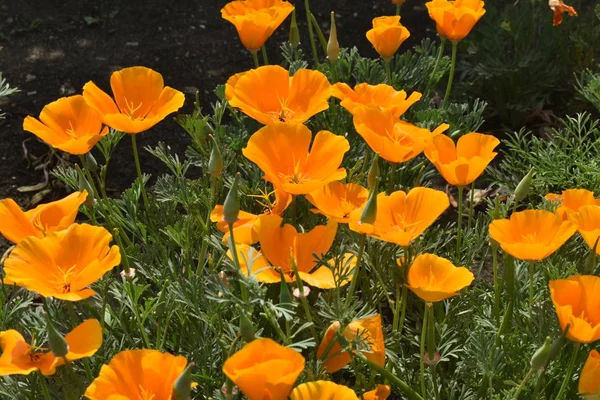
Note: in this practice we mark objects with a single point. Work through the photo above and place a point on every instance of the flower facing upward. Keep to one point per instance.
(142, 99)
(19, 357)
(434, 278)
(338, 200)
(256, 20)
(387, 35)
(587, 221)
(571, 200)
(382, 392)
(137, 374)
(589, 380)
(464, 162)
(382, 96)
(282, 152)
(395, 140)
(531, 234)
(62, 264)
(368, 330)
(68, 124)
(16, 225)
(263, 369)
(577, 304)
(322, 390)
(559, 8)
(269, 94)
(455, 19)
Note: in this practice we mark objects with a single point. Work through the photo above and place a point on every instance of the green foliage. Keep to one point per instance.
(5, 91)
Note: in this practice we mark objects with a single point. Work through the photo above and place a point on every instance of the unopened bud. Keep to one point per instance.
(373, 172)
(542, 355)
(590, 261)
(246, 328)
(369, 213)
(333, 47)
(285, 300)
(215, 162)
(183, 384)
(58, 344)
(231, 206)
(83, 184)
(90, 162)
(294, 31)
(523, 187)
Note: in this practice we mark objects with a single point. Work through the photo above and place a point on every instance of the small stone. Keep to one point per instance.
(32, 93)
(29, 77)
(132, 44)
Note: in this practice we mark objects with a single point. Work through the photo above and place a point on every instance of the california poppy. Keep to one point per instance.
(395, 140)
(62, 264)
(559, 8)
(368, 329)
(142, 99)
(256, 20)
(269, 94)
(531, 234)
(589, 380)
(387, 35)
(16, 225)
(455, 19)
(464, 162)
(576, 302)
(434, 278)
(264, 369)
(571, 200)
(19, 357)
(68, 124)
(137, 374)
(381, 392)
(587, 220)
(381, 96)
(322, 390)
(338, 200)
(282, 151)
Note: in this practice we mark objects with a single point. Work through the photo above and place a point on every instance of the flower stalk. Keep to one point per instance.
(451, 77)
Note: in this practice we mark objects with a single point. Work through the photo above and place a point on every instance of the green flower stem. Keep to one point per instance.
(393, 379)
(471, 205)
(388, 70)
(304, 301)
(398, 8)
(236, 262)
(392, 178)
(255, 58)
(293, 209)
(451, 77)
(139, 170)
(73, 376)
(264, 55)
(407, 260)
(435, 67)
(431, 346)
(204, 248)
(320, 35)
(356, 272)
(42, 380)
(459, 222)
(523, 383)
(569, 374)
(531, 277)
(311, 34)
(422, 353)
(88, 176)
(496, 307)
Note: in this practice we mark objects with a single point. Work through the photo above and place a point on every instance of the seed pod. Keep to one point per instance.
(542, 355)
(231, 206)
(333, 47)
(294, 31)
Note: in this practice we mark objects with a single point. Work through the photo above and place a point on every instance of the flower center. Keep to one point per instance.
(146, 394)
(71, 131)
(131, 109)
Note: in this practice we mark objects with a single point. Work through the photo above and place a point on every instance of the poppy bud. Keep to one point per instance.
(58, 344)
(231, 206)
(90, 162)
(215, 162)
(83, 184)
(246, 328)
(590, 261)
(183, 384)
(333, 47)
(522, 189)
(294, 31)
(542, 355)
(370, 211)
(285, 300)
(373, 172)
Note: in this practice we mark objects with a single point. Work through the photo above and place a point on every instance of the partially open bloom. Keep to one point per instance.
(559, 8)
(402, 217)
(142, 99)
(68, 124)
(381, 392)
(571, 200)
(434, 278)
(16, 225)
(382, 96)
(589, 380)
(282, 152)
(395, 140)
(368, 331)
(321, 390)
(464, 162)
(455, 19)
(256, 20)
(587, 220)
(263, 369)
(531, 234)
(137, 374)
(269, 94)
(338, 200)
(387, 35)
(62, 264)
(19, 357)
(576, 301)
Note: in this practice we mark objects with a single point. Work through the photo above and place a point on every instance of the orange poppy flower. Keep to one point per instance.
(571, 200)
(382, 96)
(531, 234)
(402, 217)
(587, 221)
(322, 390)
(16, 225)
(62, 264)
(263, 369)
(142, 99)
(137, 374)
(387, 35)
(338, 200)
(369, 331)
(282, 152)
(68, 124)
(434, 278)
(576, 302)
(382, 392)
(455, 19)
(559, 8)
(20, 358)
(589, 380)
(256, 20)
(395, 140)
(462, 163)
(269, 94)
